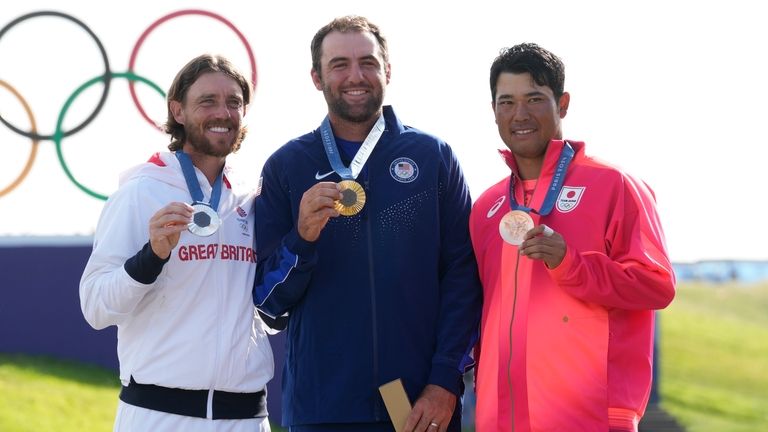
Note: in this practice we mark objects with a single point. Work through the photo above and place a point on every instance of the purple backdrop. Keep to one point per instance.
(40, 311)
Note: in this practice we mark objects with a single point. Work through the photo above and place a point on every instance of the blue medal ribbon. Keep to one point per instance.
(194, 187)
(566, 156)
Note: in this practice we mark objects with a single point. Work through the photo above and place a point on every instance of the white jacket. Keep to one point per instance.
(195, 327)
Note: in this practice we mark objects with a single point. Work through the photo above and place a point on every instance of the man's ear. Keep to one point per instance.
(178, 113)
(317, 79)
(563, 103)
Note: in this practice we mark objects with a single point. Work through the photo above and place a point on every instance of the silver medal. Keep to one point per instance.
(205, 220)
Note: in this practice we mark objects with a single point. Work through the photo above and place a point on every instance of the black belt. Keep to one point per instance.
(194, 403)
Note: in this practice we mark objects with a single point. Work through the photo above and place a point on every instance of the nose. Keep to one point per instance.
(355, 73)
(223, 111)
(520, 112)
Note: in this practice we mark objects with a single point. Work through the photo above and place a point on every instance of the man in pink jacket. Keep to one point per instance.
(573, 263)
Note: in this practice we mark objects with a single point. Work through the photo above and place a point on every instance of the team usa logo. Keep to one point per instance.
(569, 198)
(404, 170)
(496, 206)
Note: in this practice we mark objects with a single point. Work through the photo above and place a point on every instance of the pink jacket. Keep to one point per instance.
(582, 337)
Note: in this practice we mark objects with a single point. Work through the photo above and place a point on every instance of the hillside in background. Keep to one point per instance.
(714, 357)
(721, 271)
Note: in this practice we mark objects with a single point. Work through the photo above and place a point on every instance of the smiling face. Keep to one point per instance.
(212, 114)
(353, 76)
(528, 116)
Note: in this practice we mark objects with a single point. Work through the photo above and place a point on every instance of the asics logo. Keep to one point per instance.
(496, 206)
(319, 176)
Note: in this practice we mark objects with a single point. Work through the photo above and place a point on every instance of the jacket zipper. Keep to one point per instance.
(371, 280)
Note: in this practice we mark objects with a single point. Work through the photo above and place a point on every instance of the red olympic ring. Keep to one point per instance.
(168, 17)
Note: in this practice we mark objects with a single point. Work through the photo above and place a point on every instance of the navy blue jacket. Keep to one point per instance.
(391, 292)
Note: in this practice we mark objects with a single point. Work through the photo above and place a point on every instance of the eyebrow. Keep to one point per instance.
(342, 58)
(529, 94)
(213, 96)
(205, 96)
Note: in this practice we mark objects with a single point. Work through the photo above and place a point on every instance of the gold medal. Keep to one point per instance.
(514, 225)
(352, 198)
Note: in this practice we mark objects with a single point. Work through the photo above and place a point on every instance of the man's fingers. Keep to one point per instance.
(412, 421)
(171, 214)
(539, 230)
(172, 219)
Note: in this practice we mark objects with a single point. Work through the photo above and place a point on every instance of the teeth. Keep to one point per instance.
(356, 92)
(219, 129)
(522, 132)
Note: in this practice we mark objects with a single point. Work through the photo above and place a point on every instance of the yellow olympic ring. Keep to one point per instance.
(33, 150)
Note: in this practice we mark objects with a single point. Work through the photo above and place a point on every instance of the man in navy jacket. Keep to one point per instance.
(363, 241)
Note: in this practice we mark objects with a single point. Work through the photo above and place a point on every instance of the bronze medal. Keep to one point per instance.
(352, 198)
(514, 225)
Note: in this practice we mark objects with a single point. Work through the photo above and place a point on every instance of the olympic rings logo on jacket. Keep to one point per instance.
(59, 133)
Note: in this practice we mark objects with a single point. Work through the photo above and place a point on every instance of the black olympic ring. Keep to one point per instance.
(107, 77)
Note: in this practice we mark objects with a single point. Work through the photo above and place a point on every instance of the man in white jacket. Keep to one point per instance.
(173, 265)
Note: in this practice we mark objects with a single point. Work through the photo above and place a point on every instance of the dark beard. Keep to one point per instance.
(342, 109)
(203, 145)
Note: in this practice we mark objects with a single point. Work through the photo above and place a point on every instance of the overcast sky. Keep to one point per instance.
(672, 92)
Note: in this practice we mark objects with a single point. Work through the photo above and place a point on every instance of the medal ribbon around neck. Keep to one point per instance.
(205, 221)
(353, 195)
(517, 222)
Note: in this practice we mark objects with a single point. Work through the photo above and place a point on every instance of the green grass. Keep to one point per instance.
(43, 394)
(714, 357)
(714, 371)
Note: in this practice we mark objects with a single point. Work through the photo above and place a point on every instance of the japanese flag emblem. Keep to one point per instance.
(569, 198)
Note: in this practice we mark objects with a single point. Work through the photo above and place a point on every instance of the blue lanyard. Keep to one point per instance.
(566, 156)
(332, 151)
(194, 187)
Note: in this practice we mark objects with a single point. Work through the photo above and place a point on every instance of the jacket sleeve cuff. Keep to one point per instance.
(145, 266)
(298, 245)
(562, 270)
(447, 378)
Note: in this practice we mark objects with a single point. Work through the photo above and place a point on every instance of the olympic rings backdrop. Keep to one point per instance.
(82, 92)
(82, 98)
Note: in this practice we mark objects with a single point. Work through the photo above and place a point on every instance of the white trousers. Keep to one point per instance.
(136, 419)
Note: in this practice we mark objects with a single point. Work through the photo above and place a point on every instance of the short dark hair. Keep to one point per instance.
(545, 68)
(346, 24)
(187, 76)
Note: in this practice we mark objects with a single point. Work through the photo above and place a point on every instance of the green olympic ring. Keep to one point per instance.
(58, 135)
